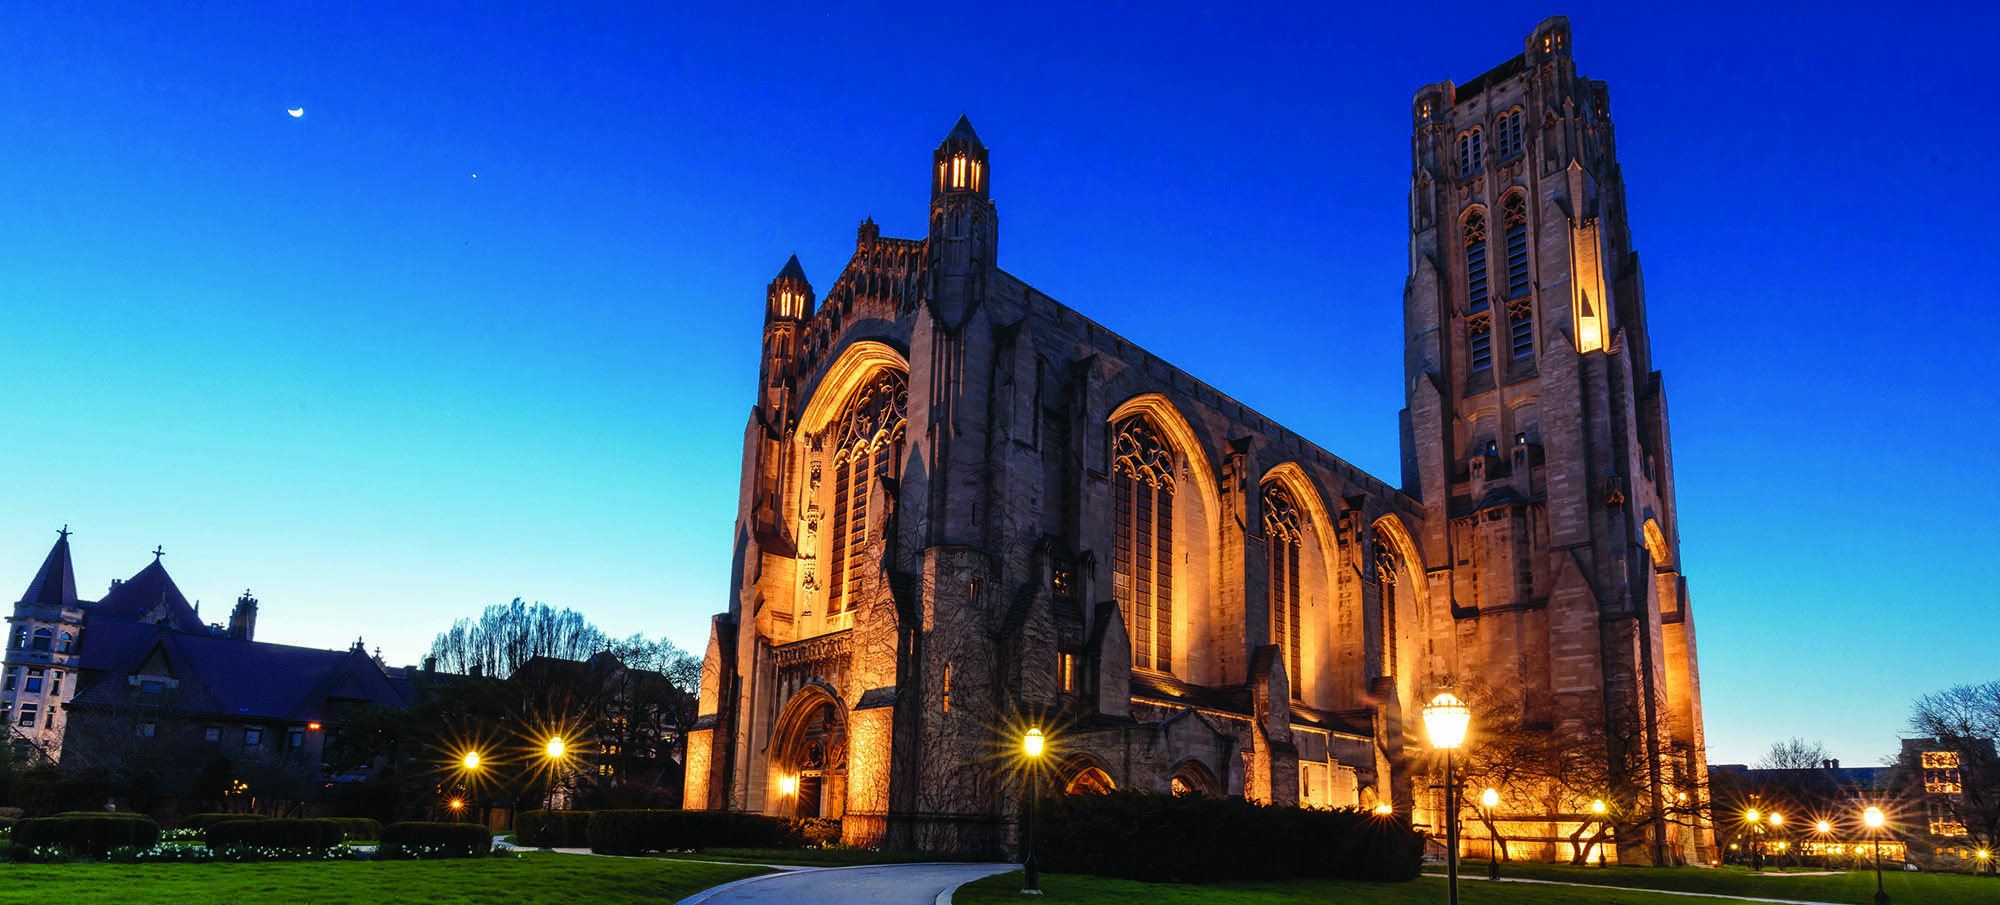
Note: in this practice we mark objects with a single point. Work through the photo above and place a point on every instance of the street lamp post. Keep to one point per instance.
(1491, 799)
(1755, 820)
(1446, 717)
(554, 751)
(1873, 817)
(1823, 830)
(1777, 824)
(1031, 744)
(1597, 807)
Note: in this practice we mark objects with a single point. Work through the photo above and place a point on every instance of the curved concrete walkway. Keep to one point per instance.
(872, 884)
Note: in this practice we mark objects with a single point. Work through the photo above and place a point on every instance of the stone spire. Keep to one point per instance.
(55, 582)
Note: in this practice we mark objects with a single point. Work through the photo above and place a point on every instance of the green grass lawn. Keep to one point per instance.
(485, 881)
(1059, 888)
(1856, 887)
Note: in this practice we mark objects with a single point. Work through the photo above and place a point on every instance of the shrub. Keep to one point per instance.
(553, 829)
(1191, 839)
(632, 832)
(204, 821)
(94, 834)
(414, 839)
(276, 833)
(359, 829)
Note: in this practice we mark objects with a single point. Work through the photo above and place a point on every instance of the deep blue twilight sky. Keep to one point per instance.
(319, 358)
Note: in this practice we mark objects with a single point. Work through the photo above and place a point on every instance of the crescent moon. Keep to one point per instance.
(297, 112)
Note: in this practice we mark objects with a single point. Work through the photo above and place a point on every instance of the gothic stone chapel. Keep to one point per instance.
(967, 507)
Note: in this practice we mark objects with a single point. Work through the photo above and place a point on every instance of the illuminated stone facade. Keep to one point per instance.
(967, 507)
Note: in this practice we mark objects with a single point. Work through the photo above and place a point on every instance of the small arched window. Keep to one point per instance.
(1471, 151)
(1477, 297)
(42, 638)
(65, 643)
(21, 637)
(1142, 563)
(869, 442)
(1283, 534)
(1507, 137)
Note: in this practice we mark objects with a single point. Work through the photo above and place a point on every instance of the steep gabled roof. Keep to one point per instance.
(231, 678)
(55, 582)
(145, 592)
(963, 129)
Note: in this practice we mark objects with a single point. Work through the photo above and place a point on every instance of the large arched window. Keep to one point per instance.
(1520, 312)
(1477, 299)
(1389, 574)
(1142, 564)
(1284, 536)
(42, 638)
(868, 441)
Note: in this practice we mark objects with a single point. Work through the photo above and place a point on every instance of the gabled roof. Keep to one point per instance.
(55, 582)
(140, 595)
(229, 678)
(793, 270)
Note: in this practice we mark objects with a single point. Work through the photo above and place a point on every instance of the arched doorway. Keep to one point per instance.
(1192, 777)
(809, 757)
(1085, 773)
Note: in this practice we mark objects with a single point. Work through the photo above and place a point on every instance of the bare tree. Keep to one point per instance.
(1794, 754)
(1965, 721)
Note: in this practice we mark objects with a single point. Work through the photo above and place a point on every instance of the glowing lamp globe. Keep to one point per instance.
(1446, 718)
(457, 803)
(471, 760)
(1872, 816)
(1597, 807)
(1777, 820)
(1032, 743)
(1752, 815)
(556, 747)
(1823, 827)
(788, 784)
(1384, 810)
(1490, 797)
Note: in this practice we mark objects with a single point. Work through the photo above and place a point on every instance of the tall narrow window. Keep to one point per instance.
(1520, 311)
(869, 442)
(1477, 298)
(1385, 565)
(1471, 151)
(66, 643)
(1283, 535)
(1507, 134)
(1142, 564)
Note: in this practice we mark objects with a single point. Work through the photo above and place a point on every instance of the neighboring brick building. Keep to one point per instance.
(966, 507)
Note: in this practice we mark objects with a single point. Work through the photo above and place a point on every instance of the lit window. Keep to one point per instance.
(1066, 672)
(1143, 543)
(947, 688)
(870, 443)
(1471, 151)
(1283, 536)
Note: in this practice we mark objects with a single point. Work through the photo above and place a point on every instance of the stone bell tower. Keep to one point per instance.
(1536, 432)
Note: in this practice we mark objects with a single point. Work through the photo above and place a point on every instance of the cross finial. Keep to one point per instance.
(158, 551)
(64, 533)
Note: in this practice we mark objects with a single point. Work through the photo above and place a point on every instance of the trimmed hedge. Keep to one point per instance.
(553, 829)
(359, 829)
(94, 834)
(276, 833)
(416, 839)
(204, 821)
(632, 832)
(1192, 839)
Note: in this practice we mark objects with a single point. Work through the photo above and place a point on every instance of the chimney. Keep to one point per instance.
(430, 668)
(243, 619)
(477, 671)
